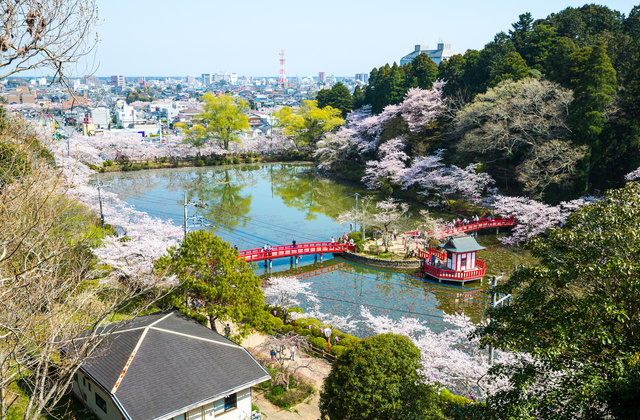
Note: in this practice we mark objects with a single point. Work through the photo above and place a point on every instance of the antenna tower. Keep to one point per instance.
(282, 79)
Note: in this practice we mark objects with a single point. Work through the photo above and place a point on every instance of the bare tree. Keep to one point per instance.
(280, 345)
(526, 119)
(51, 34)
(54, 299)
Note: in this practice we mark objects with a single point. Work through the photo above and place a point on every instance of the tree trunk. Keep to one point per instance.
(212, 321)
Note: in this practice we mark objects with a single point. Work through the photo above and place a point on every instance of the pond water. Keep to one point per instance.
(252, 205)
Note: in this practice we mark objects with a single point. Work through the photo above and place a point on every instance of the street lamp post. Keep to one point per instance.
(327, 333)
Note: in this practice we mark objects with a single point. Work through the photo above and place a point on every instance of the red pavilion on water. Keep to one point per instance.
(456, 262)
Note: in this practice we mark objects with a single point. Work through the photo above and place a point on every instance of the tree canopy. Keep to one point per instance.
(379, 378)
(337, 97)
(309, 123)
(211, 274)
(221, 119)
(577, 314)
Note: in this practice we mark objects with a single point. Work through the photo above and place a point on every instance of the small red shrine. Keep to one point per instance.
(457, 262)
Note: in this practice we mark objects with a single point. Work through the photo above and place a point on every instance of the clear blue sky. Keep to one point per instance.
(176, 38)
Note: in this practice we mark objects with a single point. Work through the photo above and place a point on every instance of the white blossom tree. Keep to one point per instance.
(389, 212)
(283, 292)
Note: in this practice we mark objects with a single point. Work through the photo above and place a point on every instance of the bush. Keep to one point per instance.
(135, 167)
(199, 162)
(356, 236)
(164, 159)
(337, 350)
(319, 342)
(286, 328)
(236, 160)
(249, 160)
(360, 248)
(108, 163)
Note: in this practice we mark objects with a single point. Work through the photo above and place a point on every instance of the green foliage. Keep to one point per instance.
(511, 67)
(209, 270)
(13, 163)
(319, 342)
(379, 379)
(308, 123)
(577, 314)
(337, 350)
(133, 96)
(199, 162)
(337, 97)
(356, 236)
(221, 119)
(236, 160)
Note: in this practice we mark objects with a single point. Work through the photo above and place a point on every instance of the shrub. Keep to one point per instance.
(135, 167)
(93, 167)
(319, 342)
(360, 248)
(227, 161)
(337, 350)
(236, 160)
(199, 162)
(108, 163)
(249, 160)
(356, 236)
(315, 331)
(164, 159)
(286, 328)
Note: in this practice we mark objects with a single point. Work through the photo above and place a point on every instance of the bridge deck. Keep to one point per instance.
(281, 251)
(482, 224)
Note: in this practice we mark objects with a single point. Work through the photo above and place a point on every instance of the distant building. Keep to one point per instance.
(206, 79)
(362, 77)
(443, 52)
(117, 81)
(322, 77)
(191, 80)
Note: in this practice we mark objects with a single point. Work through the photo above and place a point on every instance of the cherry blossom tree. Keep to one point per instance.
(633, 176)
(283, 292)
(281, 345)
(534, 217)
(449, 358)
(389, 212)
(391, 165)
(421, 107)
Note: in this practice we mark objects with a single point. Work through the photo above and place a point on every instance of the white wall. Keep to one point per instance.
(207, 412)
(113, 413)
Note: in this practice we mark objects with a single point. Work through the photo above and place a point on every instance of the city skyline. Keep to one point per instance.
(163, 40)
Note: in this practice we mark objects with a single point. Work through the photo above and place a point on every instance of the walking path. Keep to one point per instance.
(316, 372)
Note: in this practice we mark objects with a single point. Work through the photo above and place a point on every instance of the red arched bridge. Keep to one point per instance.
(470, 227)
(281, 251)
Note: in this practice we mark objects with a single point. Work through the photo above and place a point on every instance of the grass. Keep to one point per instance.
(68, 407)
(505, 258)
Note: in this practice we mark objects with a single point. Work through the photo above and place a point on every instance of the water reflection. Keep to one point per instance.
(252, 205)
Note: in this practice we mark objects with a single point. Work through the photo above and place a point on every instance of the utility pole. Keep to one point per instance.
(494, 304)
(198, 204)
(363, 220)
(355, 219)
(100, 186)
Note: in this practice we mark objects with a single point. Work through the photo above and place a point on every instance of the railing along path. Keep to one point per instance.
(281, 251)
(482, 224)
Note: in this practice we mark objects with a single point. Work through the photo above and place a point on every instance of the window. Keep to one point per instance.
(84, 383)
(102, 404)
(75, 377)
(223, 405)
(463, 262)
(230, 402)
(89, 386)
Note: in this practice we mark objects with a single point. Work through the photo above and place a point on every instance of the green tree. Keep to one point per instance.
(337, 97)
(558, 64)
(379, 378)
(594, 80)
(423, 72)
(577, 313)
(221, 119)
(358, 97)
(521, 31)
(308, 123)
(511, 67)
(210, 271)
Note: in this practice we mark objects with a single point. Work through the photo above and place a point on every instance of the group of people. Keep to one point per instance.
(340, 240)
(292, 349)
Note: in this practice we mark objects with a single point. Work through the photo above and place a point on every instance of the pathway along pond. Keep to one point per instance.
(251, 205)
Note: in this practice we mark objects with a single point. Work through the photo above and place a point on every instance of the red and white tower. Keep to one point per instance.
(282, 80)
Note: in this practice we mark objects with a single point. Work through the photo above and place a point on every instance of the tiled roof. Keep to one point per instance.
(163, 363)
(462, 244)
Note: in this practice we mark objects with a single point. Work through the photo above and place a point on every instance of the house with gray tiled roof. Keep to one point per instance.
(165, 366)
(442, 52)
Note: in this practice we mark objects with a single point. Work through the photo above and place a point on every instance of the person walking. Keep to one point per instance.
(273, 355)
(293, 352)
(293, 243)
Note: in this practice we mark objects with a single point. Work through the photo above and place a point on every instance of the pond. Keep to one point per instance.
(253, 205)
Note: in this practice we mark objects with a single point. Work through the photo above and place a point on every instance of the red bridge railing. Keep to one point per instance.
(482, 224)
(455, 275)
(290, 251)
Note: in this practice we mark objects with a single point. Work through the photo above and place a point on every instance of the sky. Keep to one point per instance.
(341, 38)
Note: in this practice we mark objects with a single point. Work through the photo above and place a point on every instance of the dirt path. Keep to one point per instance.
(316, 372)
